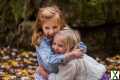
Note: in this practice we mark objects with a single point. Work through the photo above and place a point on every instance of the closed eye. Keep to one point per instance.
(47, 27)
(60, 45)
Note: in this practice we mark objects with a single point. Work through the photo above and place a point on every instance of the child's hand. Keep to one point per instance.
(43, 72)
(74, 54)
(77, 53)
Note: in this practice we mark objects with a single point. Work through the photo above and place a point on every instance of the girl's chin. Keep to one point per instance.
(50, 37)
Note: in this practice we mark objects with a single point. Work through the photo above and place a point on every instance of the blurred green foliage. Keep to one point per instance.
(17, 9)
(93, 16)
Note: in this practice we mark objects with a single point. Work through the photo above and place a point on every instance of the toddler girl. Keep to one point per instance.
(85, 68)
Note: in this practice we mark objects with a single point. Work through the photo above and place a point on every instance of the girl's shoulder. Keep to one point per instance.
(67, 27)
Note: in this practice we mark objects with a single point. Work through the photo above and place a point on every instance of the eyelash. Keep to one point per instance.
(58, 45)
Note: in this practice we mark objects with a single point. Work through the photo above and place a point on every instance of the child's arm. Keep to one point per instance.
(43, 72)
(48, 57)
(63, 58)
(43, 53)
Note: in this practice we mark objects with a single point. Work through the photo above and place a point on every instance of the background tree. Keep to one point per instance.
(97, 20)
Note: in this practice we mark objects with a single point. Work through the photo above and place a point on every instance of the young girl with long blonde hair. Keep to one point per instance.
(49, 21)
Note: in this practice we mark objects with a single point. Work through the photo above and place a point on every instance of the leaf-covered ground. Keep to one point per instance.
(17, 65)
(20, 65)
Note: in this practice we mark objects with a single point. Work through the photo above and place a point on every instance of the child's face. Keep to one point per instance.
(58, 44)
(50, 27)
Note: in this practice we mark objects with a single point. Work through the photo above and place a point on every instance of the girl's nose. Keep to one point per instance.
(51, 32)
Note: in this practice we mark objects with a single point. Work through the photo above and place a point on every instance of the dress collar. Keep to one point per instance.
(49, 41)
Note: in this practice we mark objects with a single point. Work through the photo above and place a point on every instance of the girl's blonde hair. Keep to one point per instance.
(71, 38)
(46, 14)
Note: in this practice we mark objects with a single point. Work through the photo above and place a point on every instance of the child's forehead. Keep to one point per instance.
(59, 40)
(59, 37)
